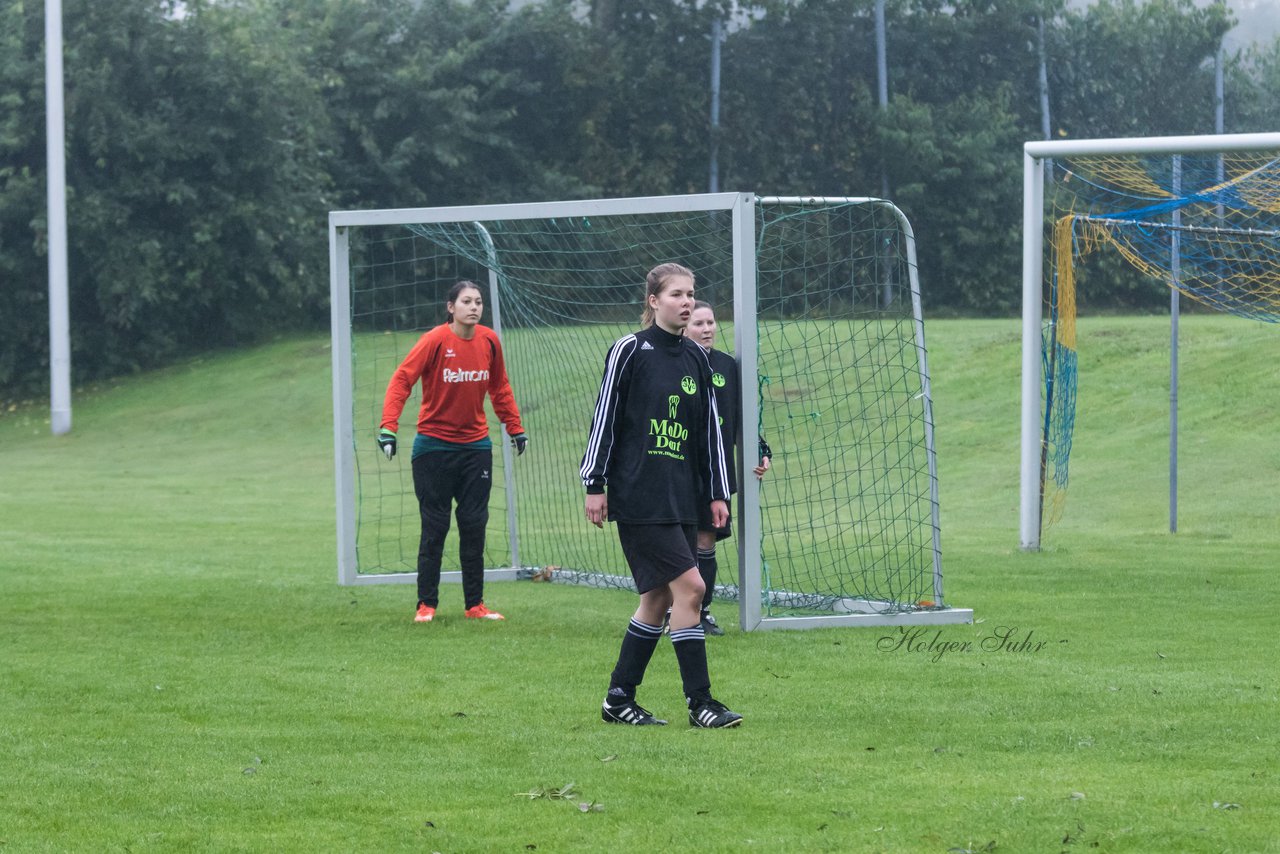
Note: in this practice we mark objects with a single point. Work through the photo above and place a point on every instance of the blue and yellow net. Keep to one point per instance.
(1205, 224)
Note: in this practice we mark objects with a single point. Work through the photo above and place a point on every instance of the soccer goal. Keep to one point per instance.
(1198, 214)
(817, 299)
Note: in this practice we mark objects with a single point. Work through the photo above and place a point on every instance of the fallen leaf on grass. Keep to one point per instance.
(565, 792)
(990, 846)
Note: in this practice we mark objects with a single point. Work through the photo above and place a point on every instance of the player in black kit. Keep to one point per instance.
(726, 382)
(654, 448)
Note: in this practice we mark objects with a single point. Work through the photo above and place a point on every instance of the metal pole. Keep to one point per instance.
(713, 182)
(344, 443)
(1217, 90)
(746, 342)
(882, 93)
(1045, 124)
(1032, 296)
(508, 456)
(1218, 125)
(1175, 265)
(55, 155)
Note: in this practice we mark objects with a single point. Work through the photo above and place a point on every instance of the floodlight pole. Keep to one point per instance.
(56, 169)
(882, 98)
(713, 181)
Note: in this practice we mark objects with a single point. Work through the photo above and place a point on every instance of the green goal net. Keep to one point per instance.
(818, 300)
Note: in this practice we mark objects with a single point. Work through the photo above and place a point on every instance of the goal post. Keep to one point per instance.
(1199, 214)
(843, 530)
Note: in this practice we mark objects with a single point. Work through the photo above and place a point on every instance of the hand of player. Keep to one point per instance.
(387, 442)
(762, 468)
(519, 441)
(766, 456)
(719, 514)
(597, 508)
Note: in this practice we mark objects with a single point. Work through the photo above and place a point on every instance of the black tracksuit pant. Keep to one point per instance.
(440, 478)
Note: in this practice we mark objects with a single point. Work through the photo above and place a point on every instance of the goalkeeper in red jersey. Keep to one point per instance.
(458, 362)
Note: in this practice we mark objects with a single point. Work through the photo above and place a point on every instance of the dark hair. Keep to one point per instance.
(656, 281)
(701, 303)
(456, 291)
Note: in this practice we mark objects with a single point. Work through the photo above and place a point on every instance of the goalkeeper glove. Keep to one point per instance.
(765, 450)
(387, 442)
(519, 441)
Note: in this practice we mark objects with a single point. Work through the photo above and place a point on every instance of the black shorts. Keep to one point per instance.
(658, 554)
(704, 520)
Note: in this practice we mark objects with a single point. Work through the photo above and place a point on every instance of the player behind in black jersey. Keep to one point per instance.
(726, 382)
(654, 448)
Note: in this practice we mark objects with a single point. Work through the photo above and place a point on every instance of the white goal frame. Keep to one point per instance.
(1034, 156)
(743, 208)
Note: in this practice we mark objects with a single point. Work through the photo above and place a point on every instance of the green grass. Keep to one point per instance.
(180, 671)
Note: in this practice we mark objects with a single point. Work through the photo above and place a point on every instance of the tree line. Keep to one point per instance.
(207, 140)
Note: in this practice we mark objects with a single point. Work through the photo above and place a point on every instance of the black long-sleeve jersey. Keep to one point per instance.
(726, 384)
(655, 439)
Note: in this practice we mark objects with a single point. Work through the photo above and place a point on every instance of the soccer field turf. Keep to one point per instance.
(180, 671)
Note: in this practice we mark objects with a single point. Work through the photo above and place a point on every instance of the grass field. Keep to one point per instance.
(180, 671)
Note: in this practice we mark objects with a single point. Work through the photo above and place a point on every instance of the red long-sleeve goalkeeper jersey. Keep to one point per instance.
(456, 374)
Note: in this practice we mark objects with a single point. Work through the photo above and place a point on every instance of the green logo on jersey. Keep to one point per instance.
(688, 386)
(668, 434)
(717, 379)
(668, 437)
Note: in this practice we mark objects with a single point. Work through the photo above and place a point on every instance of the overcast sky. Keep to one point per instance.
(1259, 22)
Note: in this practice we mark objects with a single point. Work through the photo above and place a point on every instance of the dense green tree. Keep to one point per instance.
(207, 140)
(420, 95)
(195, 193)
(959, 181)
(799, 99)
(1122, 68)
(198, 196)
(1253, 103)
(24, 312)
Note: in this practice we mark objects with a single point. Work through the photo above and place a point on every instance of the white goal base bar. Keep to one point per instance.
(846, 612)
(452, 577)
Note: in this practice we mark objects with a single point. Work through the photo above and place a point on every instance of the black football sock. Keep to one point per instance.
(707, 567)
(691, 652)
(638, 645)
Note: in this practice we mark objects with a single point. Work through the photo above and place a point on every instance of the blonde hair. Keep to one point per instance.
(656, 281)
